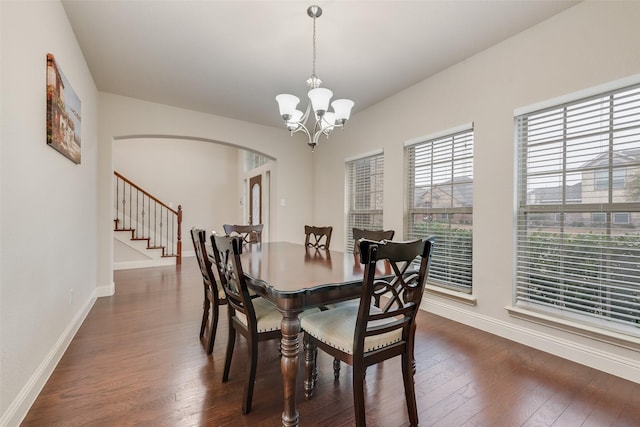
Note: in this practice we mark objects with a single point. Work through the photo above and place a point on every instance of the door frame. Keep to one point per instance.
(265, 172)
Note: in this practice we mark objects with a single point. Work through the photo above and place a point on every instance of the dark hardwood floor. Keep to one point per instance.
(137, 360)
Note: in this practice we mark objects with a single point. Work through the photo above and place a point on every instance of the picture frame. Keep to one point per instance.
(63, 113)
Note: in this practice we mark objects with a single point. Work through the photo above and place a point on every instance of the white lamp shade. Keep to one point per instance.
(320, 98)
(296, 116)
(327, 122)
(287, 104)
(342, 108)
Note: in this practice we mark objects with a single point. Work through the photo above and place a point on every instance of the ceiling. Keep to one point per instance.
(231, 58)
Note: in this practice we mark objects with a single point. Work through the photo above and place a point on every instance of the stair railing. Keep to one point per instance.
(148, 218)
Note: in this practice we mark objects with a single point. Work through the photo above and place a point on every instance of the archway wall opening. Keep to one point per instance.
(133, 121)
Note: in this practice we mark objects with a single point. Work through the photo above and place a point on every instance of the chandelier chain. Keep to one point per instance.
(313, 71)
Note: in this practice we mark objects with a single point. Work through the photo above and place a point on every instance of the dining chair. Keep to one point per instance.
(214, 295)
(376, 235)
(365, 335)
(317, 237)
(249, 233)
(252, 317)
(249, 315)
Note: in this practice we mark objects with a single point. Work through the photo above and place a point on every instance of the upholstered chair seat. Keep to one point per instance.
(337, 328)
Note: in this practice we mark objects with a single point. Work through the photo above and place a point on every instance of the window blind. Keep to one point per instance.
(365, 180)
(440, 203)
(578, 216)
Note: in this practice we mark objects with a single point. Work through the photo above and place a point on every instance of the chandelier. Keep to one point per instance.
(324, 121)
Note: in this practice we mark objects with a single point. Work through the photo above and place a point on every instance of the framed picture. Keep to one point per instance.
(63, 113)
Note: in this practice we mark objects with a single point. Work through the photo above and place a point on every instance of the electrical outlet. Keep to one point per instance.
(70, 296)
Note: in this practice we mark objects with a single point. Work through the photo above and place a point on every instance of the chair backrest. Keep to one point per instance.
(199, 238)
(249, 233)
(375, 235)
(403, 286)
(317, 237)
(226, 251)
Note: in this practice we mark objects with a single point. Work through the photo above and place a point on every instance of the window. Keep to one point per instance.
(602, 179)
(440, 204)
(582, 160)
(254, 160)
(598, 217)
(365, 179)
(620, 218)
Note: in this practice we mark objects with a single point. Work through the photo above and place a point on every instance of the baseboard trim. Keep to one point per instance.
(106, 291)
(159, 262)
(19, 408)
(595, 358)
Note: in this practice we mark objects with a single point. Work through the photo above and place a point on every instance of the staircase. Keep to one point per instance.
(147, 232)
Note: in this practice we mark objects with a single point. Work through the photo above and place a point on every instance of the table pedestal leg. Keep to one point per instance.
(290, 347)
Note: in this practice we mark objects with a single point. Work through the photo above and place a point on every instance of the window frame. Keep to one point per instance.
(599, 293)
(452, 259)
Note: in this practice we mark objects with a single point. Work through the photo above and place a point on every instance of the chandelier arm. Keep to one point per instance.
(305, 116)
(317, 131)
(302, 128)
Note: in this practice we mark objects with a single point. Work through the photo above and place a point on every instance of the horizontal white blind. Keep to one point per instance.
(440, 204)
(365, 180)
(578, 238)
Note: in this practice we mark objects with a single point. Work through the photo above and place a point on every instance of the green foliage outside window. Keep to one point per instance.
(574, 272)
(452, 254)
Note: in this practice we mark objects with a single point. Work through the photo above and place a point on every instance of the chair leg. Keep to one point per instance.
(358, 393)
(205, 315)
(251, 380)
(231, 340)
(409, 388)
(315, 364)
(213, 328)
(336, 368)
(309, 365)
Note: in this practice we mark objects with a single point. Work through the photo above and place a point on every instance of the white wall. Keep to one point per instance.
(587, 45)
(48, 214)
(291, 179)
(200, 176)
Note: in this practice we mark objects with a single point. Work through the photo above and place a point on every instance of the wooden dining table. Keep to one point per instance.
(295, 278)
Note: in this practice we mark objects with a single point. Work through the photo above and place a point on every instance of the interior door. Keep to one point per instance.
(255, 200)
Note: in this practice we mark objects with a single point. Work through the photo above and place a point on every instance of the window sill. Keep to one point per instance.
(564, 324)
(452, 295)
